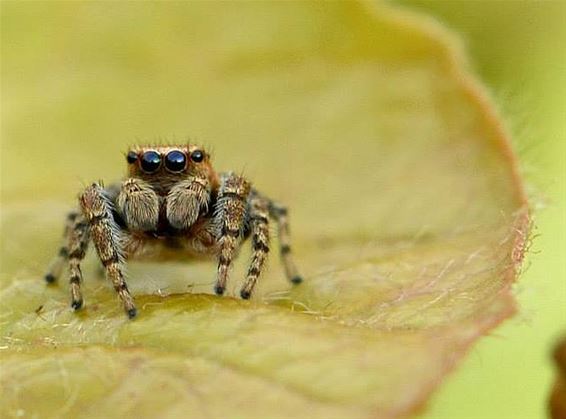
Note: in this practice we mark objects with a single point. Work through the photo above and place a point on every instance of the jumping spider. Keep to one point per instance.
(172, 201)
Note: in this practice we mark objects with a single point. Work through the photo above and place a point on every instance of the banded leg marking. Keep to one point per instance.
(78, 243)
(105, 234)
(57, 264)
(279, 213)
(259, 225)
(230, 215)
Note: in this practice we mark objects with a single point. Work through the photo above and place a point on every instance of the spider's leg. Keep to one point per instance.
(77, 245)
(230, 213)
(259, 227)
(279, 213)
(56, 266)
(106, 235)
(187, 200)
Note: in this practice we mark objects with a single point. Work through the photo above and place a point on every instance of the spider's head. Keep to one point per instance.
(165, 164)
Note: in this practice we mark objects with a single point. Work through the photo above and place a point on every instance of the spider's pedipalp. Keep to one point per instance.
(105, 234)
(259, 228)
(187, 200)
(229, 217)
(138, 204)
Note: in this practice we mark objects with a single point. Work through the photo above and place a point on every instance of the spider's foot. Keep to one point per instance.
(297, 279)
(77, 304)
(132, 312)
(50, 278)
(219, 290)
(245, 294)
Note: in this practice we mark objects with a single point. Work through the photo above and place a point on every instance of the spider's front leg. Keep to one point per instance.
(105, 233)
(230, 213)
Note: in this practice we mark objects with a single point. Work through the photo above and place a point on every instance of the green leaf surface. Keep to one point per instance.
(408, 216)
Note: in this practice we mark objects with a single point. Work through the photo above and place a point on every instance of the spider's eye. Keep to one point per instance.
(132, 157)
(197, 156)
(150, 161)
(175, 161)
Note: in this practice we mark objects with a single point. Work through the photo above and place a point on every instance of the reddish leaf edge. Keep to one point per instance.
(458, 68)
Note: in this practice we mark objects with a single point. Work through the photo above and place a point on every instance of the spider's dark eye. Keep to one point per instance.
(150, 161)
(175, 161)
(197, 156)
(132, 157)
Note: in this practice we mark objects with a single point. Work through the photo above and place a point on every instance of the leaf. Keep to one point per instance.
(408, 215)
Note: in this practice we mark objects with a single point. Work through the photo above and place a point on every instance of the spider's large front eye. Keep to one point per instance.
(150, 161)
(175, 161)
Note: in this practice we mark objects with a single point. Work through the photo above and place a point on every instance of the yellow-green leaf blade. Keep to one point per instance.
(408, 216)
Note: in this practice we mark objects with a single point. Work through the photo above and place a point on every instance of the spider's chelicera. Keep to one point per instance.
(172, 201)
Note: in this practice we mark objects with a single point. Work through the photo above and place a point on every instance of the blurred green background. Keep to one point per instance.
(519, 50)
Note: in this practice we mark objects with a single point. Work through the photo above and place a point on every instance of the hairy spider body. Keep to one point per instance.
(172, 203)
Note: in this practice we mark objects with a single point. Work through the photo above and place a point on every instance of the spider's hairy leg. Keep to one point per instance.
(187, 200)
(77, 245)
(56, 266)
(279, 213)
(259, 226)
(230, 213)
(105, 234)
(138, 204)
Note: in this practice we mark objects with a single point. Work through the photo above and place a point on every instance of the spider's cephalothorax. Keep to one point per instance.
(171, 201)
